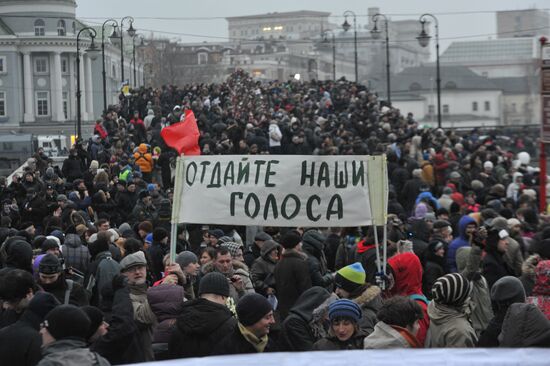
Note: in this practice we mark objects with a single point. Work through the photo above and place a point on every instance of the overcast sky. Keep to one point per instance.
(479, 19)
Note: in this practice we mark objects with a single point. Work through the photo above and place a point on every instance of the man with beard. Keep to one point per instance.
(52, 279)
(144, 209)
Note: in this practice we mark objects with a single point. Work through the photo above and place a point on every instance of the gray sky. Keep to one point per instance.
(481, 20)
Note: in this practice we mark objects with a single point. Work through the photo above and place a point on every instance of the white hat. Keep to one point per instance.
(488, 165)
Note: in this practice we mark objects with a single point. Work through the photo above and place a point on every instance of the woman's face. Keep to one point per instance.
(205, 258)
(343, 329)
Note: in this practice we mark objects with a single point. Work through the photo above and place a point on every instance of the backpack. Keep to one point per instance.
(107, 269)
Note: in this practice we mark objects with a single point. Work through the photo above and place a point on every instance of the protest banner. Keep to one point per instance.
(283, 191)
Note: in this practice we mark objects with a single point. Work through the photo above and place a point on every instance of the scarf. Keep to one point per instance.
(142, 310)
(409, 337)
(258, 343)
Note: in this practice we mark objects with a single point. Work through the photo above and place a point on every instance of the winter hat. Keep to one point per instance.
(48, 244)
(150, 187)
(214, 283)
(149, 238)
(454, 175)
(114, 234)
(488, 165)
(42, 303)
(344, 308)
(290, 240)
(420, 211)
(67, 321)
(440, 224)
(499, 223)
(508, 289)
(94, 165)
(451, 289)
(252, 308)
(55, 238)
(268, 246)
(513, 222)
(232, 247)
(159, 234)
(50, 264)
(133, 260)
(185, 258)
(262, 236)
(350, 277)
(96, 318)
(124, 227)
(217, 233)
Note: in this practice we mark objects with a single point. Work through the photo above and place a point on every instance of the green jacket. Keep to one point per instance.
(449, 328)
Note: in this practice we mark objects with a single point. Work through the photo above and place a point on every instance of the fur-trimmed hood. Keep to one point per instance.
(370, 298)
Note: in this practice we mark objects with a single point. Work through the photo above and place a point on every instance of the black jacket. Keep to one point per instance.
(433, 269)
(234, 343)
(313, 244)
(20, 343)
(494, 267)
(200, 326)
(292, 278)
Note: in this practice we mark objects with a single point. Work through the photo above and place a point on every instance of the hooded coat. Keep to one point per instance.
(449, 328)
(144, 159)
(76, 255)
(386, 336)
(199, 327)
(313, 245)
(407, 272)
(370, 301)
(541, 292)
(525, 326)
(461, 241)
(292, 277)
(263, 268)
(70, 351)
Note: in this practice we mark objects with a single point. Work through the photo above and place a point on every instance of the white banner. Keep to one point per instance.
(283, 190)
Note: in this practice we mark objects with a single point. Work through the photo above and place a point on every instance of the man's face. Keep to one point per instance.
(447, 234)
(147, 201)
(136, 275)
(104, 226)
(470, 229)
(261, 328)
(131, 188)
(213, 241)
(274, 255)
(55, 251)
(515, 229)
(224, 263)
(502, 245)
(48, 279)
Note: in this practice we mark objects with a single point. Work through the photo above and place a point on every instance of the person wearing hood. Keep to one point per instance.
(313, 245)
(399, 321)
(18, 254)
(420, 229)
(524, 326)
(514, 189)
(297, 332)
(263, 268)
(411, 190)
(101, 270)
(51, 278)
(449, 323)
(434, 266)
(344, 331)
(494, 266)
(144, 210)
(76, 255)
(407, 275)
(541, 291)
(144, 160)
(20, 343)
(466, 227)
(505, 292)
(350, 284)
(72, 166)
(203, 322)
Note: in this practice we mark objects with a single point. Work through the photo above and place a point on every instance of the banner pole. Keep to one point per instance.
(178, 186)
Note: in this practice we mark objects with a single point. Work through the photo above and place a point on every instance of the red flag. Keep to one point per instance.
(183, 136)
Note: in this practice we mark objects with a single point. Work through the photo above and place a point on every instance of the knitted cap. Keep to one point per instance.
(133, 260)
(251, 308)
(508, 289)
(96, 318)
(344, 308)
(68, 321)
(451, 289)
(42, 303)
(290, 240)
(232, 247)
(185, 258)
(49, 264)
(214, 283)
(350, 277)
(262, 236)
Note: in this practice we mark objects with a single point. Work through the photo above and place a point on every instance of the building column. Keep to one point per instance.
(29, 90)
(83, 99)
(57, 88)
(89, 89)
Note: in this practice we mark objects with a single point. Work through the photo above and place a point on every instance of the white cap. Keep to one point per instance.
(488, 165)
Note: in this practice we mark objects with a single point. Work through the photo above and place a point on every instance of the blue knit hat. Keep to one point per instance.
(344, 308)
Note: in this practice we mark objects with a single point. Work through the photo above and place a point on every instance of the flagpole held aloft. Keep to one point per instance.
(176, 205)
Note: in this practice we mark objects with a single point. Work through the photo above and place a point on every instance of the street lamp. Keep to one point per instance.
(424, 40)
(346, 26)
(325, 40)
(131, 32)
(375, 32)
(104, 74)
(92, 51)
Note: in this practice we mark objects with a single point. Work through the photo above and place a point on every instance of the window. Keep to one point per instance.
(474, 106)
(3, 68)
(64, 65)
(113, 71)
(431, 109)
(415, 86)
(74, 28)
(41, 65)
(61, 29)
(42, 103)
(487, 105)
(203, 58)
(445, 109)
(450, 85)
(514, 108)
(2, 104)
(66, 105)
(39, 28)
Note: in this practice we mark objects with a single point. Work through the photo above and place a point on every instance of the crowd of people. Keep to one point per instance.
(86, 277)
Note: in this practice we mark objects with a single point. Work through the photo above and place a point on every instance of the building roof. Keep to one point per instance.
(517, 85)
(415, 79)
(287, 14)
(490, 51)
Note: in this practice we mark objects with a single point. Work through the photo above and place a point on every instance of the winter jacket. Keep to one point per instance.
(386, 336)
(199, 327)
(461, 241)
(494, 267)
(468, 260)
(100, 273)
(144, 317)
(262, 271)
(63, 287)
(143, 159)
(434, 268)
(76, 255)
(297, 335)
(370, 301)
(541, 292)
(70, 352)
(234, 343)
(489, 336)
(72, 168)
(332, 343)
(156, 253)
(292, 277)
(345, 254)
(513, 256)
(141, 213)
(449, 328)
(528, 276)
(313, 245)
(525, 326)
(20, 343)
(407, 273)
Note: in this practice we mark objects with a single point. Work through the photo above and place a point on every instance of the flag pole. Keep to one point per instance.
(176, 205)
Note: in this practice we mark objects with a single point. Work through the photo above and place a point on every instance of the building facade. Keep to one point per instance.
(522, 23)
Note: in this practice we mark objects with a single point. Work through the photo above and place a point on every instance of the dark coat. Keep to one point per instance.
(75, 254)
(313, 244)
(433, 269)
(199, 327)
(332, 343)
(489, 337)
(262, 269)
(234, 343)
(156, 253)
(292, 277)
(20, 343)
(166, 301)
(494, 267)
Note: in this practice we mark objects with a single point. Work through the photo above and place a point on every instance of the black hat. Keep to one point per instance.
(144, 193)
(290, 240)
(508, 289)
(42, 303)
(49, 186)
(251, 308)
(67, 321)
(214, 283)
(48, 244)
(262, 236)
(218, 233)
(96, 318)
(50, 264)
(159, 234)
(439, 224)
